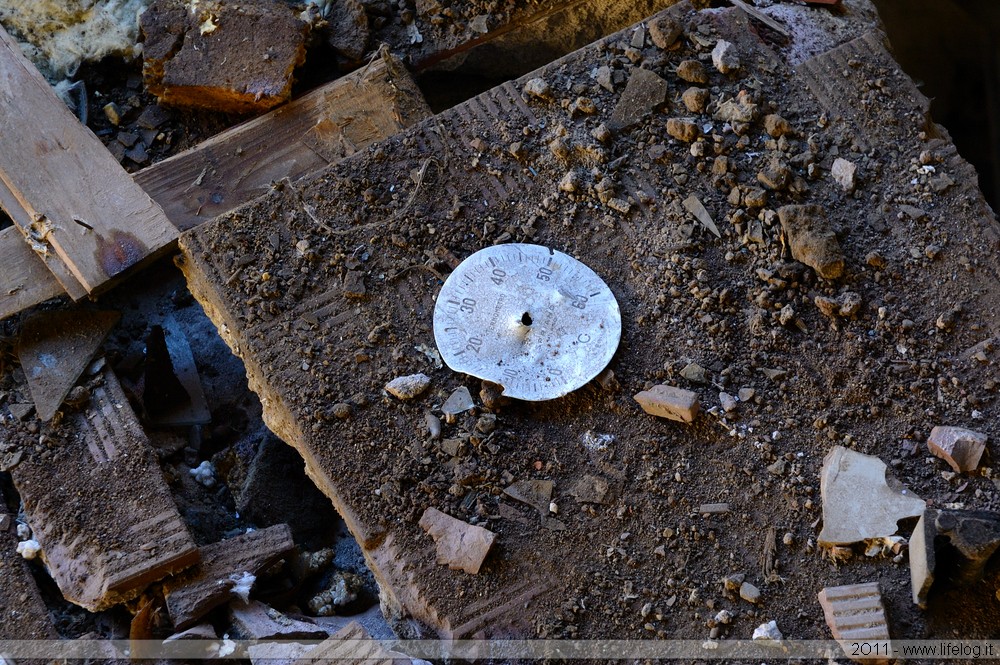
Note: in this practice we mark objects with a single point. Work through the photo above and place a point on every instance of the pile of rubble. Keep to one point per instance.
(809, 296)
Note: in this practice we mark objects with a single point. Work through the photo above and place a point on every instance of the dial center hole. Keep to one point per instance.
(526, 319)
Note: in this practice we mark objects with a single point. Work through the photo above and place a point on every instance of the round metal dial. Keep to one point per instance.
(536, 321)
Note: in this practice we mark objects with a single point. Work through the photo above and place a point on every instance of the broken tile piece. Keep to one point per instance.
(535, 493)
(55, 348)
(669, 402)
(352, 645)
(967, 538)
(857, 502)
(461, 545)
(855, 613)
(812, 240)
(961, 448)
(590, 489)
(234, 57)
(101, 509)
(257, 621)
(224, 567)
(644, 92)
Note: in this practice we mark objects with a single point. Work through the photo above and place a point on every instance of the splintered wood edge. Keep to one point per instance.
(24, 280)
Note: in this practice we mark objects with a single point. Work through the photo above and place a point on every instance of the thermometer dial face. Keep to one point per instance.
(536, 321)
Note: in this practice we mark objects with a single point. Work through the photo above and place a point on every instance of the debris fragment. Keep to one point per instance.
(460, 401)
(857, 503)
(812, 239)
(535, 493)
(172, 395)
(538, 88)
(961, 448)
(725, 58)
(461, 545)
(24, 613)
(683, 130)
(188, 62)
(203, 631)
(669, 402)
(855, 613)
(694, 206)
(105, 467)
(204, 474)
(54, 349)
(692, 71)
(227, 571)
(776, 126)
(664, 31)
(29, 549)
(695, 99)
(644, 93)
(343, 590)
(408, 387)
(844, 172)
(767, 632)
(951, 544)
(257, 621)
(749, 593)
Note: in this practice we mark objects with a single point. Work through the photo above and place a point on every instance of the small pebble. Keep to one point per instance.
(408, 387)
(749, 593)
(539, 88)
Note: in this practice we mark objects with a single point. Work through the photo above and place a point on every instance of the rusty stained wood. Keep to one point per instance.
(79, 200)
(99, 506)
(321, 127)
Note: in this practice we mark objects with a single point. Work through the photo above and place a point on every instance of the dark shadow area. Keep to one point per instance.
(952, 49)
(443, 90)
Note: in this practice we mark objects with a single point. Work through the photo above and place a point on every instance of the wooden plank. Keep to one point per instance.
(24, 280)
(321, 127)
(306, 342)
(81, 202)
(219, 577)
(239, 164)
(98, 504)
(23, 615)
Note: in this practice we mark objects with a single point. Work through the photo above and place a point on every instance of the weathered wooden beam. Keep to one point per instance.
(239, 164)
(80, 202)
(98, 505)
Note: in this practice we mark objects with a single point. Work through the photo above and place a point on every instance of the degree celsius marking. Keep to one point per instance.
(534, 320)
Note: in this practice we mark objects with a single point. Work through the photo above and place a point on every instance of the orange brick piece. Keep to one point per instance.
(235, 57)
(855, 613)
